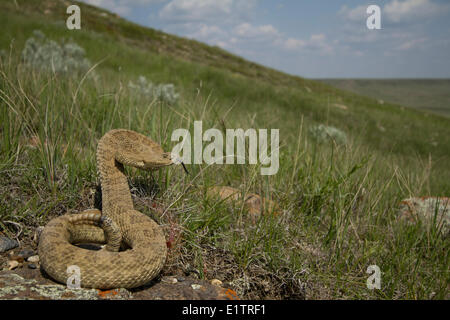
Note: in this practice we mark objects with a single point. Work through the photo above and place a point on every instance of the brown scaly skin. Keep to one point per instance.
(119, 222)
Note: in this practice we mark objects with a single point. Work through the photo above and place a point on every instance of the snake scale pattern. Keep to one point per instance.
(118, 224)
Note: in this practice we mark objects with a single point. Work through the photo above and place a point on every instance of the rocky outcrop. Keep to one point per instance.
(32, 284)
(428, 210)
(7, 244)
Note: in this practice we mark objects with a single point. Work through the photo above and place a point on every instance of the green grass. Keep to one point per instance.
(429, 95)
(339, 203)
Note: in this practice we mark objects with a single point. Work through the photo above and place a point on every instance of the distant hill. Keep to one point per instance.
(427, 94)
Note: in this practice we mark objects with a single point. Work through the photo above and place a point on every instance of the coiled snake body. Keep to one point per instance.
(118, 223)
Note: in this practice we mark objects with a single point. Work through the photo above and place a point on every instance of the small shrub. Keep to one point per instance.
(162, 92)
(45, 54)
(323, 133)
(142, 86)
(166, 92)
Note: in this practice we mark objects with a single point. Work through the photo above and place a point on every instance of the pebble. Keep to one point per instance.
(32, 266)
(196, 286)
(26, 253)
(216, 282)
(33, 259)
(12, 264)
(181, 279)
(170, 280)
(7, 244)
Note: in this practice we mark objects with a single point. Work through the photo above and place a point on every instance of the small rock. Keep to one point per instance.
(33, 259)
(430, 210)
(7, 244)
(26, 253)
(216, 282)
(32, 266)
(169, 280)
(196, 286)
(12, 264)
(181, 279)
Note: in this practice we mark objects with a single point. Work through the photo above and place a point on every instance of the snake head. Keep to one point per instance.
(136, 150)
(157, 161)
(145, 159)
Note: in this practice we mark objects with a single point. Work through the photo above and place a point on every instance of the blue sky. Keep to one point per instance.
(310, 38)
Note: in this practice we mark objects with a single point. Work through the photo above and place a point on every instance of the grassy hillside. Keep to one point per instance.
(429, 95)
(339, 201)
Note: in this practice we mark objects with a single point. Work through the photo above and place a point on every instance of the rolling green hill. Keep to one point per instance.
(339, 201)
(429, 95)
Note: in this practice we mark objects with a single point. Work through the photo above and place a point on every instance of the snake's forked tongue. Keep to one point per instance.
(184, 167)
(176, 160)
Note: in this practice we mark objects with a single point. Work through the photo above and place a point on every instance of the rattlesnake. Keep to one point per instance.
(118, 223)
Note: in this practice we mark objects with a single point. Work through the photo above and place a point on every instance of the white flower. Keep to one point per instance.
(162, 92)
(42, 53)
(322, 133)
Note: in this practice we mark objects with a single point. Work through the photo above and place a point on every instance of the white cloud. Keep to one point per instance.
(211, 34)
(121, 7)
(405, 20)
(410, 44)
(112, 5)
(246, 30)
(400, 11)
(257, 36)
(207, 11)
(196, 10)
(316, 42)
(204, 31)
(272, 38)
(356, 14)
(292, 43)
